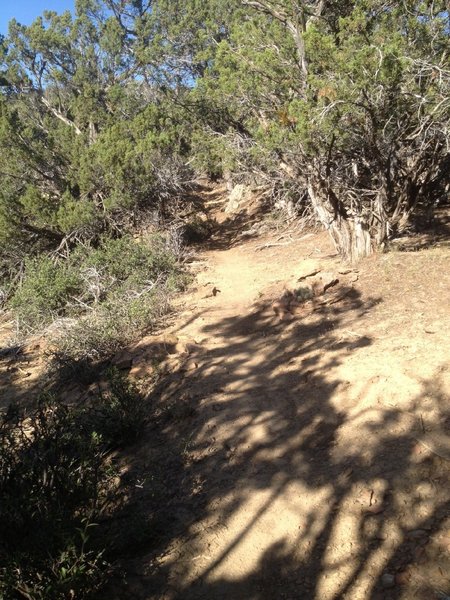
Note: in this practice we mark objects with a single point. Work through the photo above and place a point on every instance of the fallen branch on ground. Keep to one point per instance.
(272, 244)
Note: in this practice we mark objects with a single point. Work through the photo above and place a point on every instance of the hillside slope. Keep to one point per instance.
(298, 453)
(305, 456)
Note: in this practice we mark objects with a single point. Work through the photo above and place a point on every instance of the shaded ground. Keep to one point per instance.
(21, 364)
(302, 459)
(310, 458)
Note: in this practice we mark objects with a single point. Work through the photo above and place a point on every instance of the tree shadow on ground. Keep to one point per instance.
(428, 230)
(234, 229)
(253, 468)
(261, 471)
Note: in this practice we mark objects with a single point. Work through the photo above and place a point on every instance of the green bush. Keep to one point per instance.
(114, 323)
(133, 282)
(54, 486)
(126, 260)
(45, 291)
(51, 469)
(75, 214)
(123, 279)
(121, 413)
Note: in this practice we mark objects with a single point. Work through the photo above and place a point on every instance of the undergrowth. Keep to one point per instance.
(100, 298)
(55, 486)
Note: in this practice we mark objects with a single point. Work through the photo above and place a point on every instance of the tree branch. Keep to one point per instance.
(60, 116)
(296, 27)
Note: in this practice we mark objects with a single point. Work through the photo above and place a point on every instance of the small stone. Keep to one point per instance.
(387, 580)
(403, 577)
(190, 365)
(123, 360)
(416, 533)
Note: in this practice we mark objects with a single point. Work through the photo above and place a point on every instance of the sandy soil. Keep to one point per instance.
(22, 364)
(305, 458)
(312, 454)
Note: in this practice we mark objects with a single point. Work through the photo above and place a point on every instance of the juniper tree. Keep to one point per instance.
(347, 102)
(350, 100)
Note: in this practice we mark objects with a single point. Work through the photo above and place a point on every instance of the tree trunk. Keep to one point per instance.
(382, 222)
(350, 233)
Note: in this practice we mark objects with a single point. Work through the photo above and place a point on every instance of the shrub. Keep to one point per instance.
(75, 214)
(125, 260)
(113, 324)
(133, 283)
(45, 292)
(50, 481)
(121, 413)
(111, 277)
(54, 485)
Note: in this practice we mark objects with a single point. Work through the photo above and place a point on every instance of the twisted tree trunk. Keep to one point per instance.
(349, 232)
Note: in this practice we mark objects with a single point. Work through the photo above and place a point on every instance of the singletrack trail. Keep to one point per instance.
(309, 456)
(299, 456)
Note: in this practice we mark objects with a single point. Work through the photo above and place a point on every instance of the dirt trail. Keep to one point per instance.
(305, 458)
(314, 451)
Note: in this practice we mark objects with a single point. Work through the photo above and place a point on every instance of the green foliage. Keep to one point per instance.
(118, 320)
(212, 154)
(348, 99)
(130, 261)
(342, 106)
(107, 112)
(54, 482)
(82, 138)
(50, 478)
(120, 416)
(39, 211)
(75, 214)
(129, 281)
(113, 324)
(45, 292)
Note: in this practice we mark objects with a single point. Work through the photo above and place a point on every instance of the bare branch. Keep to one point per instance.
(60, 116)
